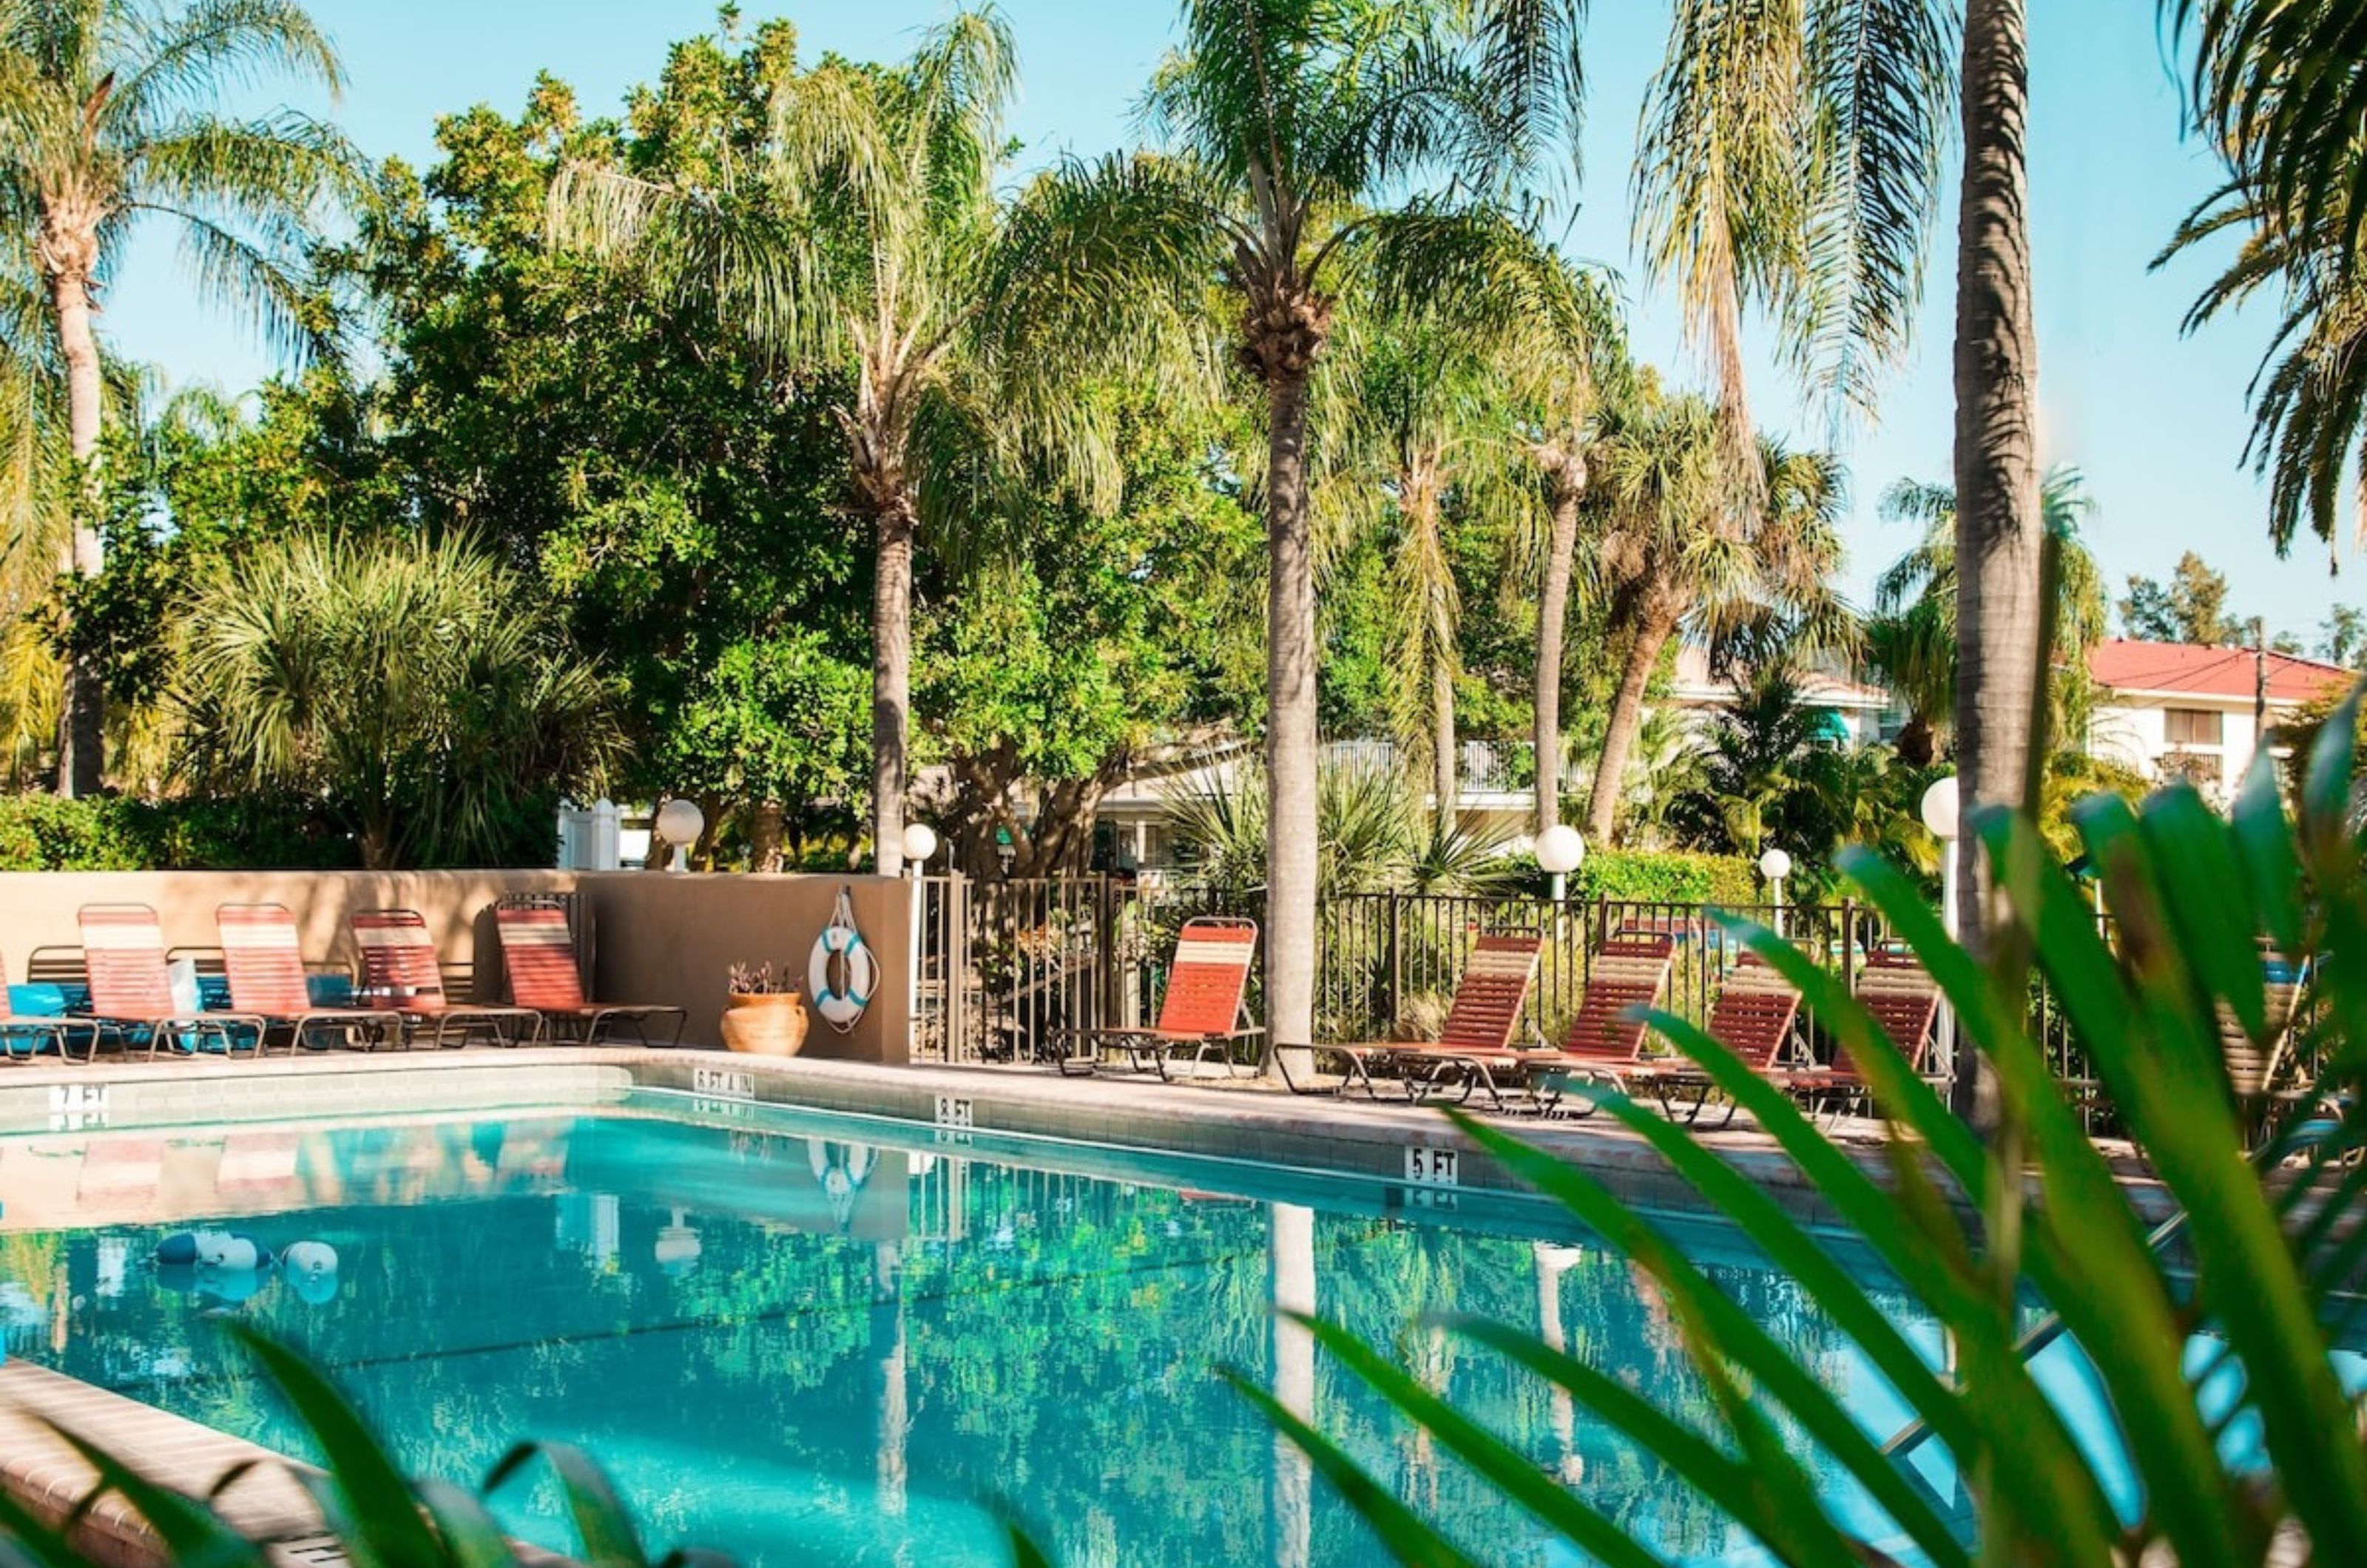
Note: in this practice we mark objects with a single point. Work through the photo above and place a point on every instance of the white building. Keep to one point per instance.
(2173, 710)
(1863, 714)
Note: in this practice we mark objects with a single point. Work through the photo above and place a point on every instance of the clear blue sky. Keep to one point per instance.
(2156, 422)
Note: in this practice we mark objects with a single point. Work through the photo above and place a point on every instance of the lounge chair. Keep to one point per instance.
(265, 966)
(538, 954)
(1604, 1045)
(131, 989)
(1905, 1001)
(24, 1036)
(401, 973)
(1753, 1018)
(1203, 1009)
(1481, 1021)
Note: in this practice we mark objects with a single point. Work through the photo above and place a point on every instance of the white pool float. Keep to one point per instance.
(841, 973)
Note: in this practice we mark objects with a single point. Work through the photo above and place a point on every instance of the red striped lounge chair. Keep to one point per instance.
(24, 1036)
(538, 956)
(402, 974)
(1489, 1000)
(1203, 1011)
(131, 989)
(1604, 1044)
(265, 966)
(1905, 1001)
(1753, 1016)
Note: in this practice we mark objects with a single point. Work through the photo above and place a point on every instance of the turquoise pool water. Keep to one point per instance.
(808, 1341)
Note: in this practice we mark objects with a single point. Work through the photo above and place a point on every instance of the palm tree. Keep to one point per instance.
(859, 242)
(1416, 434)
(1681, 546)
(2297, 194)
(1564, 382)
(109, 113)
(1910, 641)
(1287, 123)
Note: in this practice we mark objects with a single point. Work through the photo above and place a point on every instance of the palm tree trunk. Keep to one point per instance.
(1626, 721)
(1998, 520)
(82, 713)
(1553, 605)
(764, 836)
(892, 681)
(1290, 737)
(1444, 752)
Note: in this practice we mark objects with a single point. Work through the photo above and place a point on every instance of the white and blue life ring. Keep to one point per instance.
(841, 974)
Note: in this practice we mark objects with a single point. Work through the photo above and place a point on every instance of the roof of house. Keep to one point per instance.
(1828, 684)
(2177, 669)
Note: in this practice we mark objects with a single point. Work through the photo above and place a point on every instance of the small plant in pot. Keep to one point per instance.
(765, 1013)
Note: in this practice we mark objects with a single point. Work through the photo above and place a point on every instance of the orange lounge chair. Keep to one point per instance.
(265, 966)
(1604, 1044)
(401, 973)
(1480, 1020)
(1753, 1017)
(131, 989)
(538, 953)
(1905, 1001)
(1203, 1008)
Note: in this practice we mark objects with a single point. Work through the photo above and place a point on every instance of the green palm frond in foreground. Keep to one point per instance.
(2213, 1341)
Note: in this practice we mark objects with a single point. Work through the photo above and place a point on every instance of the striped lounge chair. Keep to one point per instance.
(1472, 1045)
(538, 956)
(1753, 1018)
(1905, 1001)
(132, 989)
(1604, 1045)
(401, 973)
(24, 1037)
(1204, 1009)
(265, 966)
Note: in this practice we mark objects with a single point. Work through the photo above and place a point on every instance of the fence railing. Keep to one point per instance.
(1006, 966)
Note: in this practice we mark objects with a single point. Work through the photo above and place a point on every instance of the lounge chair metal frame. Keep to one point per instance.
(547, 969)
(264, 967)
(1206, 1007)
(1489, 1000)
(401, 972)
(131, 988)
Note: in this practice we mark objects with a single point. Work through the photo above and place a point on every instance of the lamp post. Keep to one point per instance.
(1939, 812)
(1561, 851)
(920, 843)
(679, 823)
(1775, 866)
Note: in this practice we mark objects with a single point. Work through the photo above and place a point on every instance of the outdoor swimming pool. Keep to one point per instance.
(804, 1339)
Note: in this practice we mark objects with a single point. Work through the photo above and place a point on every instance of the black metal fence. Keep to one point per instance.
(1006, 966)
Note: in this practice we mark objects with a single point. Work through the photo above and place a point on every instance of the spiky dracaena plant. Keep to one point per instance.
(108, 117)
(2231, 1439)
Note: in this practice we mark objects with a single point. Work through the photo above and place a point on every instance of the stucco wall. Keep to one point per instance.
(661, 938)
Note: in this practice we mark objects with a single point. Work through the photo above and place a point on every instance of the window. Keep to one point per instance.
(2201, 769)
(2191, 727)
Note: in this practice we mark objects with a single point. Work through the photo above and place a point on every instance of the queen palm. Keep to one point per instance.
(859, 242)
(1287, 123)
(1911, 639)
(108, 116)
(1681, 545)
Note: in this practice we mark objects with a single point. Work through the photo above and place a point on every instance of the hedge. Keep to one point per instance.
(44, 832)
(1674, 876)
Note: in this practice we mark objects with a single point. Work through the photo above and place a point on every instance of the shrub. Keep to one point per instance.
(44, 832)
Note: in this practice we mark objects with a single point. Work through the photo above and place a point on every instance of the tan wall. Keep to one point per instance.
(662, 938)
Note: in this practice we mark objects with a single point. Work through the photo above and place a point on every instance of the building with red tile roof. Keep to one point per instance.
(2176, 710)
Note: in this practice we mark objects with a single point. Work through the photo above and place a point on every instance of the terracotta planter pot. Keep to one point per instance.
(772, 1025)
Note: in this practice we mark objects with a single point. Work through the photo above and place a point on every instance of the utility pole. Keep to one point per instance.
(2259, 685)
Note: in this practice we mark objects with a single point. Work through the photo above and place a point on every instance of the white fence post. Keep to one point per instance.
(607, 826)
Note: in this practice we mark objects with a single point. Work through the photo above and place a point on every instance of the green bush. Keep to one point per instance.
(1674, 876)
(44, 832)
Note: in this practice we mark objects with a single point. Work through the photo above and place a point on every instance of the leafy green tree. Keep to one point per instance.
(773, 723)
(410, 684)
(2342, 636)
(2192, 607)
(109, 117)
(1287, 122)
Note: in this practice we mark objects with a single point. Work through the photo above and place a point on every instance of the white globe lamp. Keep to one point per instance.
(1940, 808)
(920, 843)
(679, 823)
(1775, 866)
(1561, 851)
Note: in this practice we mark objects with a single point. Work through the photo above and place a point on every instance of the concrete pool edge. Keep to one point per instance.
(1323, 1134)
